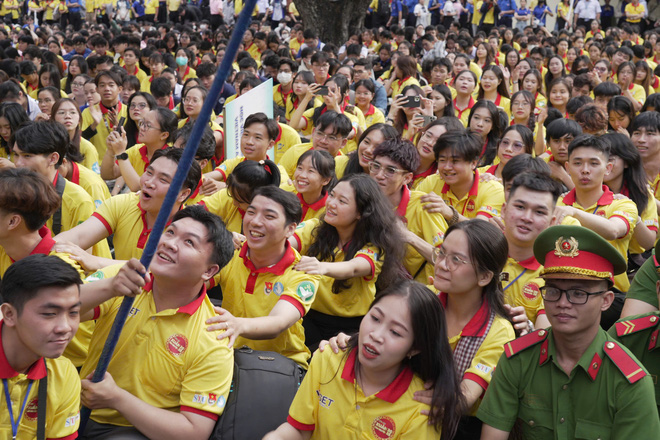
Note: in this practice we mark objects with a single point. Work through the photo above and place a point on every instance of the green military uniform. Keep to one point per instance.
(608, 393)
(642, 287)
(639, 334)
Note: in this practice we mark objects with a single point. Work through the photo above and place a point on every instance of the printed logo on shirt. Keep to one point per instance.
(221, 402)
(72, 421)
(383, 428)
(31, 410)
(213, 399)
(531, 291)
(278, 288)
(484, 368)
(300, 225)
(98, 275)
(306, 290)
(134, 311)
(177, 344)
(199, 398)
(324, 401)
(470, 206)
(601, 213)
(438, 239)
(268, 288)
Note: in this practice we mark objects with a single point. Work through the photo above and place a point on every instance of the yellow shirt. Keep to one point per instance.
(104, 128)
(331, 403)
(122, 216)
(137, 156)
(490, 15)
(220, 203)
(189, 73)
(254, 51)
(12, 12)
(359, 125)
(91, 160)
(637, 92)
(431, 227)
(140, 74)
(631, 9)
(166, 359)
(399, 84)
(173, 5)
(485, 360)
(280, 97)
(287, 138)
(607, 207)
(484, 198)
(523, 286)
(356, 299)
(62, 398)
(91, 183)
(150, 6)
(249, 292)
(294, 46)
(650, 220)
(289, 160)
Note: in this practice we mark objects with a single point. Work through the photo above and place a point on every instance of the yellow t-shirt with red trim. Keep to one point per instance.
(104, 128)
(289, 160)
(464, 114)
(167, 359)
(91, 160)
(356, 299)
(280, 97)
(523, 286)
(332, 405)
(399, 84)
(373, 116)
(484, 198)
(221, 204)
(62, 398)
(137, 156)
(249, 292)
(607, 207)
(431, 227)
(121, 215)
(91, 183)
(637, 92)
(140, 74)
(485, 360)
(650, 219)
(634, 10)
(287, 138)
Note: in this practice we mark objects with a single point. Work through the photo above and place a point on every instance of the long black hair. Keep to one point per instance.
(16, 116)
(634, 176)
(376, 227)
(353, 166)
(130, 126)
(493, 137)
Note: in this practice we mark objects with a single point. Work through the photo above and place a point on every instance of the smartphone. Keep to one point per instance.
(120, 123)
(322, 91)
(428, 119)
(412, 102)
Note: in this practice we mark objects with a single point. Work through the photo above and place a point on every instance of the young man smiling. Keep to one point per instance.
(40, 308)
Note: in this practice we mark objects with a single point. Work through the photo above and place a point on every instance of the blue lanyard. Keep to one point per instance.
(515, 279)
(14, 425)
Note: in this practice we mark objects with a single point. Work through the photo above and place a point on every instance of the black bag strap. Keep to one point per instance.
(60, 183)
(41, 405)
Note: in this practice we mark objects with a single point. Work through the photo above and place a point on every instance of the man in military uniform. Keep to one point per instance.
(572, 380)
(639, 333)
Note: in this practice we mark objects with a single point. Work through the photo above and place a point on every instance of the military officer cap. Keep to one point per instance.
(577, 252)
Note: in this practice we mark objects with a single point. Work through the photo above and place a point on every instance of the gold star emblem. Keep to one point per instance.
(566, 247)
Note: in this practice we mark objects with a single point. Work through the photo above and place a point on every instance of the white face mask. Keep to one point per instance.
(284, 77)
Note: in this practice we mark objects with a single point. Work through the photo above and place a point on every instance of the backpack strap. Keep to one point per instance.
(41, 405)
(60, 183)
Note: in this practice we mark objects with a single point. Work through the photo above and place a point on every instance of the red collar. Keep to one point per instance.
(143, 153)
(35, 372)
(469, 106)
(474, 190)
(371, 110)
(476, 326)
(491, 170)
(44, 246)
(403, 204)
(319, 204)
(498, 100)
(171, 106)
(285, 95)
(135, 72)
(606, 199)
(276, 269)
(427, 173)
(390, 393)
(75, 173)
(194, 194)
(189, 308)
(105, 109)
(144, 235)
(530, 263)
(632, 84)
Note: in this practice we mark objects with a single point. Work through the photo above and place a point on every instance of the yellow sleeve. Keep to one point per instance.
(63, 412)
(91, 160)
(303, 412)
(307, 116)
(375, 259)
(303, 234)
(626, 210)
(492, 199)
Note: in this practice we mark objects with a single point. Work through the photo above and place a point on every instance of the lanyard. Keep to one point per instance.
(14, 425)
(515, 279)
(595, 210)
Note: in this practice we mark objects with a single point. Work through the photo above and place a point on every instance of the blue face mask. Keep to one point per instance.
(181, 61)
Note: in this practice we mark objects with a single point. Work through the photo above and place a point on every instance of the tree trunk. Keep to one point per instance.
(333, 19)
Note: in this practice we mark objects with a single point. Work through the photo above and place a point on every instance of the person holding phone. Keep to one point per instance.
(407, 110)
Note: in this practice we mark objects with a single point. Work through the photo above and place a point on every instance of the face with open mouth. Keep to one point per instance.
(155, 182)
(265, 226)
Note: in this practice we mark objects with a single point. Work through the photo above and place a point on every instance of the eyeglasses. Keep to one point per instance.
(326, 137)
(64, 113)
(375, 167)
(138, 105)
(574, 296)
(146, 126)
(45, 101)
(77, 84)
(522, 104)
(515, 146)
(453, 261)
(430, 136)
(191, 100)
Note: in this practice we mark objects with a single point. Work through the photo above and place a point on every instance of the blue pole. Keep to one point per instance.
(177, 182)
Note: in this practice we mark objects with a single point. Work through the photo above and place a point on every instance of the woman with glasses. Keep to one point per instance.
(522, 109)
(77, 66)
(193, 100)
(156, 131)
(139, 104)
(46, 97)
(601, 73)
(66, 112)
(516, 140)
(356, 245)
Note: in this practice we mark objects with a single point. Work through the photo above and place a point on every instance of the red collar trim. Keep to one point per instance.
(279, 134)
(475, 327)
(530, 263)
(632, 84)
(284, 94)
(135, 72)
(35, 372)
(57, 173)
(390, 393)
(144, 235)
(469, 106)
(75, 173)
(143, 153)
(371, 110)
(276, 269)
(427, 173)
(606, 199)
(319, 204)
(44, 246)
(186, 72)
(105, 109)
(403, 205)
(401, 81)
(171, 106)
(474, 190)
(491, 170)
(189, 308)
(498, 100)
(194, 194)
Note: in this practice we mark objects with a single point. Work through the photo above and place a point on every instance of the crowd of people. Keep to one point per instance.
(449, 225)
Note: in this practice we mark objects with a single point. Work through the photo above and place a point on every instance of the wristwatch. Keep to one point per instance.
(122, 156)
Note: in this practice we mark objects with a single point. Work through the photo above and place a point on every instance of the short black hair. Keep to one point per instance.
(114, 76)
(287, 200)
(340, 123)
(401, 151)
(607, 89)
(217, 233)
(260, 118)
(160, 87)
(26, 277)
(590, 141)
(575, 103)
(206, 149)
(536, 182)
(561, 127)
(465, 144)
(206, 69)
(524, 163)
(174, 154)
(43, 137)
(647, 120)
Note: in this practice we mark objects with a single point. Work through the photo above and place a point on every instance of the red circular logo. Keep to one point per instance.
(31, 410)
(470, 205)
(383, 427)
(601, 213)
(177, 344)
(531, 291)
